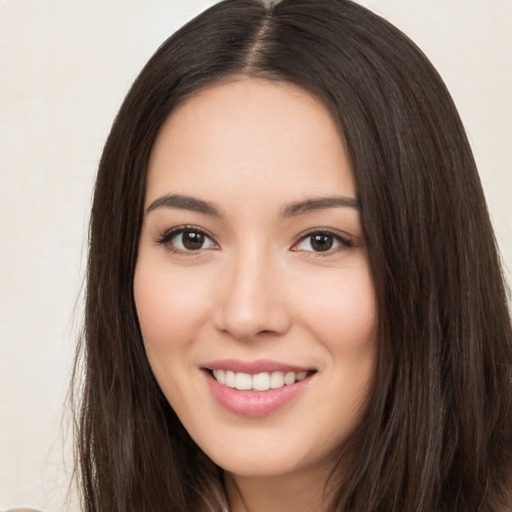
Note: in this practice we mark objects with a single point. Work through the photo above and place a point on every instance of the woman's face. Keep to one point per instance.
(252, 284)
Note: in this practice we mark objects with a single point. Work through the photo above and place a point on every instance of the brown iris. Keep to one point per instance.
(192, 240)
(321, 242)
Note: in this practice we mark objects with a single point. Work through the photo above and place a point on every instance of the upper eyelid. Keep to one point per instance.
(334, 232)
(345, 241)
(169, 233)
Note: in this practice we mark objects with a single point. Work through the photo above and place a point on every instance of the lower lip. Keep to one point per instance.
(254, 403)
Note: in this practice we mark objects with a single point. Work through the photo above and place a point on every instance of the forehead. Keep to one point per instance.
(250, 134)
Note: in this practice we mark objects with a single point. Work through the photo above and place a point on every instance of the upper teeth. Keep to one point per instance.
(258, 382)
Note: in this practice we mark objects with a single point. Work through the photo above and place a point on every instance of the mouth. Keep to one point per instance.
(262, 381)
(256, 389)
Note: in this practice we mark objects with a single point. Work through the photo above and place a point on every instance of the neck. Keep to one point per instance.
(297, 492)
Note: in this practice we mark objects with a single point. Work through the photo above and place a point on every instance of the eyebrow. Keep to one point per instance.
(321, 203)
(182, 202)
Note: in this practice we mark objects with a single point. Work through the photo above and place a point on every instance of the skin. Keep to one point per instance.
(258, 288)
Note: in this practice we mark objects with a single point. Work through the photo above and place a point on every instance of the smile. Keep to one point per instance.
(256, 388)
(259, 382)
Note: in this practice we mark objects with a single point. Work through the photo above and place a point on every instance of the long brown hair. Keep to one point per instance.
(438, 434)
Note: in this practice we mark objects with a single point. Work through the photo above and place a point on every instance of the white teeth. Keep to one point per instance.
(220, 375)
(230, 379)
(261, 381)
(258, 382)
(243, 381)
(276, 380)
(289, 378)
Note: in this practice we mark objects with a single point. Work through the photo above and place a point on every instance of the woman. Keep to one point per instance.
(294, 297)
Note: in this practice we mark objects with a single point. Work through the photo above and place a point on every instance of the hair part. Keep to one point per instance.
(438, 432)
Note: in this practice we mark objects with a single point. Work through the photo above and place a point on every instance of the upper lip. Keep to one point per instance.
(254, 367)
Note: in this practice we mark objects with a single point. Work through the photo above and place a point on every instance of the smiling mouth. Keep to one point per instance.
(263, 381)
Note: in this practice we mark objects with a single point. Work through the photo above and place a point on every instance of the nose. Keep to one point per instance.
(252, 301)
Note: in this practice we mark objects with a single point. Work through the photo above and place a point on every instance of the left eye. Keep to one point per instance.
(321, 242)
(187, 240)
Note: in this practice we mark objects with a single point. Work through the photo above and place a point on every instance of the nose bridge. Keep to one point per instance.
(253, 300)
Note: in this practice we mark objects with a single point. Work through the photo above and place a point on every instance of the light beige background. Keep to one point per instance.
(64, 69)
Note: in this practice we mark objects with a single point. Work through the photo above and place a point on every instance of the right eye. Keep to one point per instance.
(188, 239)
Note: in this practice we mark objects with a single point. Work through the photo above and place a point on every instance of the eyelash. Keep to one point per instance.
(165, 239)
(343, 241)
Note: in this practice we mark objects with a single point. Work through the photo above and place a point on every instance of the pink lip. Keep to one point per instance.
(254, 403)
(254, 367)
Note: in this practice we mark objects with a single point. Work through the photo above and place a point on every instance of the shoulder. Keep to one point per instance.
(23, 510)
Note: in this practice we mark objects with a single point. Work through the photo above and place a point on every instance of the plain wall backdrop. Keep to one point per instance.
(65, 67)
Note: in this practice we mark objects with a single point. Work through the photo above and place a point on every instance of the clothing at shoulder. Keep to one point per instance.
(23, 510)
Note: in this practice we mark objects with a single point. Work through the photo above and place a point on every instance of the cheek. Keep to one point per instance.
(343, 311)
(171, 305)
(347, 328)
